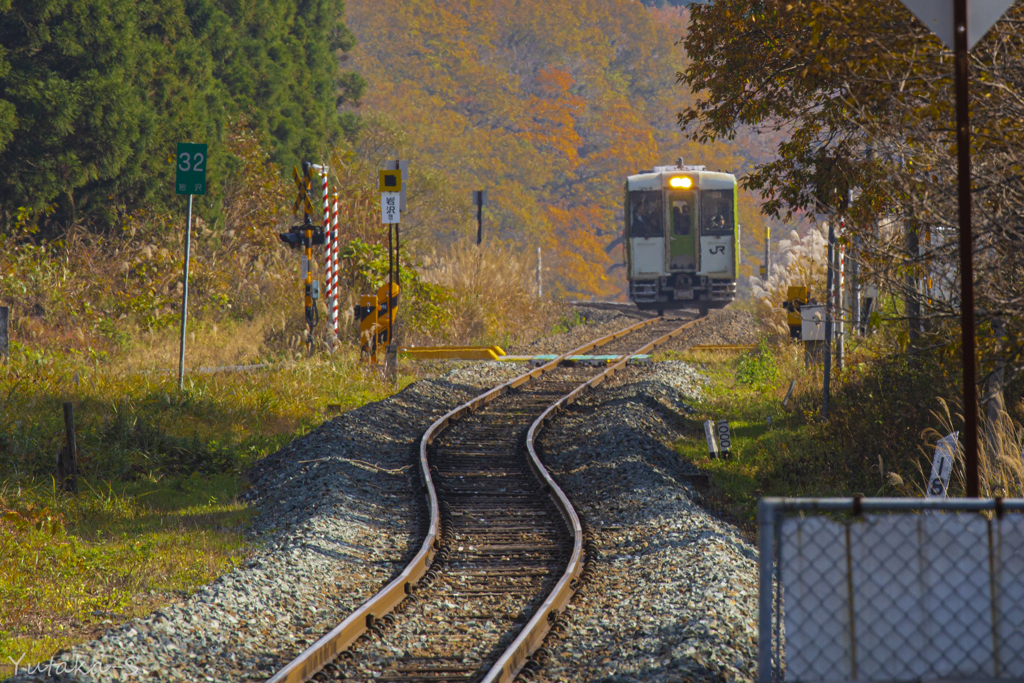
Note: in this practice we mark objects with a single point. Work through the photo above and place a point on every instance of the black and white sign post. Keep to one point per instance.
(190, 179)
(960, 24)
(392, 205)
(479, 199)
(724, 438)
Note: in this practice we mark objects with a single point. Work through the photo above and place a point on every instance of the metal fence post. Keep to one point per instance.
(766, 554)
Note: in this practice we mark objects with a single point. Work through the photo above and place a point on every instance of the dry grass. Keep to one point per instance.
(493, 294)
(95, 321)
(1000, 455)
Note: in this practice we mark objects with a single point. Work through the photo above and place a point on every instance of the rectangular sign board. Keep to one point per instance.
(190, 169)
(402, 166)
(389, 207)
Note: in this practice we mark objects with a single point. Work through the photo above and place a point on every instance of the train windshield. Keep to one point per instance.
(716, 215)
(681, 215)
(645, 214)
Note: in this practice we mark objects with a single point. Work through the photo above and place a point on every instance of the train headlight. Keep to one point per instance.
(680, 182)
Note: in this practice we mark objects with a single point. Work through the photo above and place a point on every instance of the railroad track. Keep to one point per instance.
(503, 550)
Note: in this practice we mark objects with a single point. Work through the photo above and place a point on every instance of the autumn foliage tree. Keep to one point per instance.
(865, 92)
(549, 104)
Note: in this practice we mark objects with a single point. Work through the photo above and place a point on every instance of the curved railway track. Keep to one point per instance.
(503, 550)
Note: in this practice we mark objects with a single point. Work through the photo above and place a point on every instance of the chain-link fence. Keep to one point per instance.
(891, 589)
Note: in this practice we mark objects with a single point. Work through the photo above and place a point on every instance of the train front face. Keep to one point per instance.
(682, 239)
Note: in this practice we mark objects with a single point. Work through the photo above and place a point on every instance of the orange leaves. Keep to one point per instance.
(549, 104)
(553, 113)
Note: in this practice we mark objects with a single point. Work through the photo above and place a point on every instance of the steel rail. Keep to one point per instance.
(508, 665)
(308, 663)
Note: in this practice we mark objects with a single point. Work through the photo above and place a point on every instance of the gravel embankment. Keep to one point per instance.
(723, 326)
(337, 518)
(597, 323)
(674, 596)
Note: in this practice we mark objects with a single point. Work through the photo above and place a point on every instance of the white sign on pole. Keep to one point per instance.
(942, 465)
(938, 16)
(389, 207)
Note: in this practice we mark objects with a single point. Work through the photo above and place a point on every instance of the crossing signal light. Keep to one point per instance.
(296, 236)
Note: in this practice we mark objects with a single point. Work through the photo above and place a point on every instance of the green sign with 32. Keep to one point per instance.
(191, 169)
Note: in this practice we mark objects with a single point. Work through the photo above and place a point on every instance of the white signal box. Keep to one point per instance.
(812, 323)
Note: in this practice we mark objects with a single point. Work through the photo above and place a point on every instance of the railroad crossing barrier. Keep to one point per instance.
(454, 352)
(891, 589)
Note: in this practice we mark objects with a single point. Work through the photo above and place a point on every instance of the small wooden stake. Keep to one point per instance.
(67, 458)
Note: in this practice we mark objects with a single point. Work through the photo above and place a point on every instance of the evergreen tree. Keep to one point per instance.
(95, 93)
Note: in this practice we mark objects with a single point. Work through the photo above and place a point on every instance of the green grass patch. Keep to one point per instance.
(158, 512)
(872, 444)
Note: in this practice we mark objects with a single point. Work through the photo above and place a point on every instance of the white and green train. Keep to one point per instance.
(682, 238)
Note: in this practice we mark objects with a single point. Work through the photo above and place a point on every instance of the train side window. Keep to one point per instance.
(716, 214)
(645, 214)
(680, 217)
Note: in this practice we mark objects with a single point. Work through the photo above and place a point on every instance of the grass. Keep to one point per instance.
(875, 442)
(73, 565)
(157, 514)
(93, 322)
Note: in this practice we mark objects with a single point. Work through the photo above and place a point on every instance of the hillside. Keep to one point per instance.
(547, 104)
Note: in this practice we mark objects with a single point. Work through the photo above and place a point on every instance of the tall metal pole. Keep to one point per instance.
(184, 298)
(479, 218)
(840, 306)
(540, 283)
(398, 268)
(829, 312)
(963, 153)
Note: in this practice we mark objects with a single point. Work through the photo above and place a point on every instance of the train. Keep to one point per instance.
(682, 238)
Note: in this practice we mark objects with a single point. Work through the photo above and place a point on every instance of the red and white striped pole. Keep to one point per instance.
(328, 254)
(332, 286)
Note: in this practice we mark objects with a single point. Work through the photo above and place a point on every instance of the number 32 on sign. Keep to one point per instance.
(389, 205)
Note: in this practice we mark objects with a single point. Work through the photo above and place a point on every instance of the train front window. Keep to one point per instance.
(680, 216)
(645, 214)
(716, 214)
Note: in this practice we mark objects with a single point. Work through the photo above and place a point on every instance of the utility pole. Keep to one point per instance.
(540, 287)
(855, 314)
(960, 36)
(479, 199)
(913, 298)
(829, 312)
(840, 294)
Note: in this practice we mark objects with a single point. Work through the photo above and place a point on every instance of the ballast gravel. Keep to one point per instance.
(336, 519)
(674, 596)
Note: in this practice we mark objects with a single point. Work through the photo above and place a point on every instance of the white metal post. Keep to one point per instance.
(184, 298)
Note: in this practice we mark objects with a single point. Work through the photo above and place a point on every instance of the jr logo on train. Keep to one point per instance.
(682, 239)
